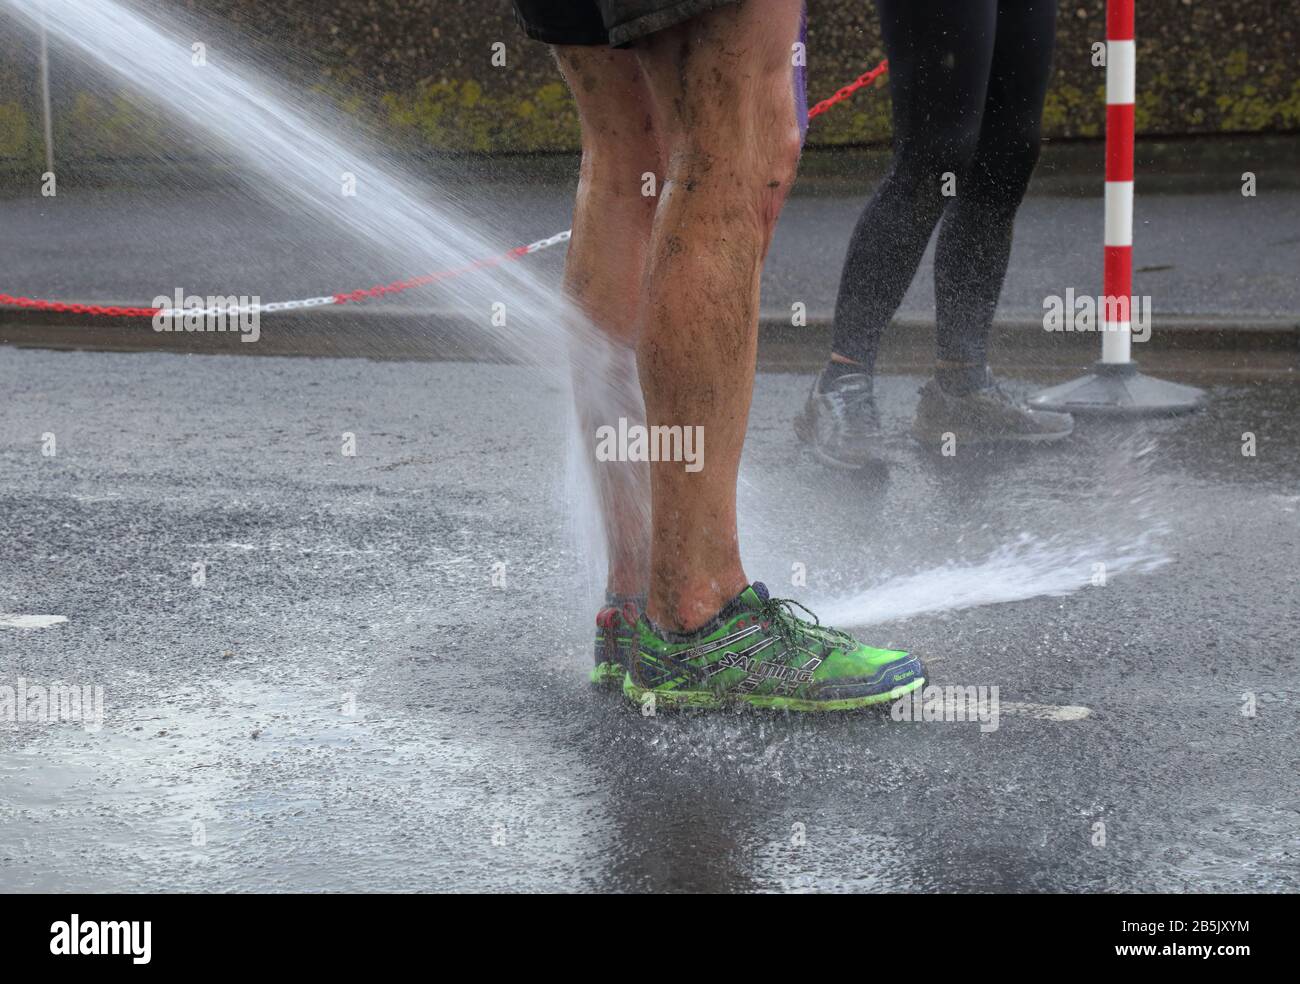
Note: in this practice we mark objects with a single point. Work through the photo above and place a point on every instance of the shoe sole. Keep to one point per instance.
(706, 700)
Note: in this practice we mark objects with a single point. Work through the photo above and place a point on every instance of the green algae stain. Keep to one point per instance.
(459, 116)
(1201, 92)
(112, 127)
(14, 130)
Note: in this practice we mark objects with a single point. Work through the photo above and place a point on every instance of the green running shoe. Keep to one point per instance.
(757, 651)
(616, 636)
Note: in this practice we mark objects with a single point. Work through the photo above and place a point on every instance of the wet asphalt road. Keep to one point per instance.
(477, 757)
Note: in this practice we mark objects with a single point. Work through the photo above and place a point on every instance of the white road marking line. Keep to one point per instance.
(10, 621)
(1042, 712)
(1046, 712)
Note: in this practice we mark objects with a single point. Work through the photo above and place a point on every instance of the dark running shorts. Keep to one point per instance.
(618, 23)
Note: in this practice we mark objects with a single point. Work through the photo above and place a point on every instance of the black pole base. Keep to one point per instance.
(1119, 391)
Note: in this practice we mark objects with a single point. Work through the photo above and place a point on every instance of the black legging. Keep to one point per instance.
(967, 79)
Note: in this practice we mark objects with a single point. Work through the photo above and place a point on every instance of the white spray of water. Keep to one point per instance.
(1117, 525)
(291, 145)
(288, 147)
(1028, 568)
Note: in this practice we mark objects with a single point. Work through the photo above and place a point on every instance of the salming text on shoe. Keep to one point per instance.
(616, 636)
(757, 651)
(985, 416)
(840, 423)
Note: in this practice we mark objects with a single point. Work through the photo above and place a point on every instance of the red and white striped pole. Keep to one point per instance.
(1121, 92)
(1115, 386)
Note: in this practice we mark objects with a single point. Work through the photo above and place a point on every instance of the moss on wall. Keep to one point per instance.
(460, 116)
(15, 130)
(423, 72)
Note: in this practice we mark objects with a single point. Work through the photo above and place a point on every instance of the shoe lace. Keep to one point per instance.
(780, 612)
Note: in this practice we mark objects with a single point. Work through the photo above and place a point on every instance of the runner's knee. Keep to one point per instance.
(620, 142)
(752, 171)
(780, 173)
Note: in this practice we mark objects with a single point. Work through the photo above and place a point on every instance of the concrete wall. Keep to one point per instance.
(421, 70)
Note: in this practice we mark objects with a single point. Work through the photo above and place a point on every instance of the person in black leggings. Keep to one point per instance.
(968, 81)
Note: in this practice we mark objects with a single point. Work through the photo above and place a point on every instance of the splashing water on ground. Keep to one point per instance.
(1111, 522)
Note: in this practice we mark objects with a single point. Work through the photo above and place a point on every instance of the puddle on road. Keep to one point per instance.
(144, 792)
(249, 786)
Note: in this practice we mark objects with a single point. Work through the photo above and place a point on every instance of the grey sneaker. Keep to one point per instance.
(985, 416)
(841, 424)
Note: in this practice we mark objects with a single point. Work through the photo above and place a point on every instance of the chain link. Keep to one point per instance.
(866, 78)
